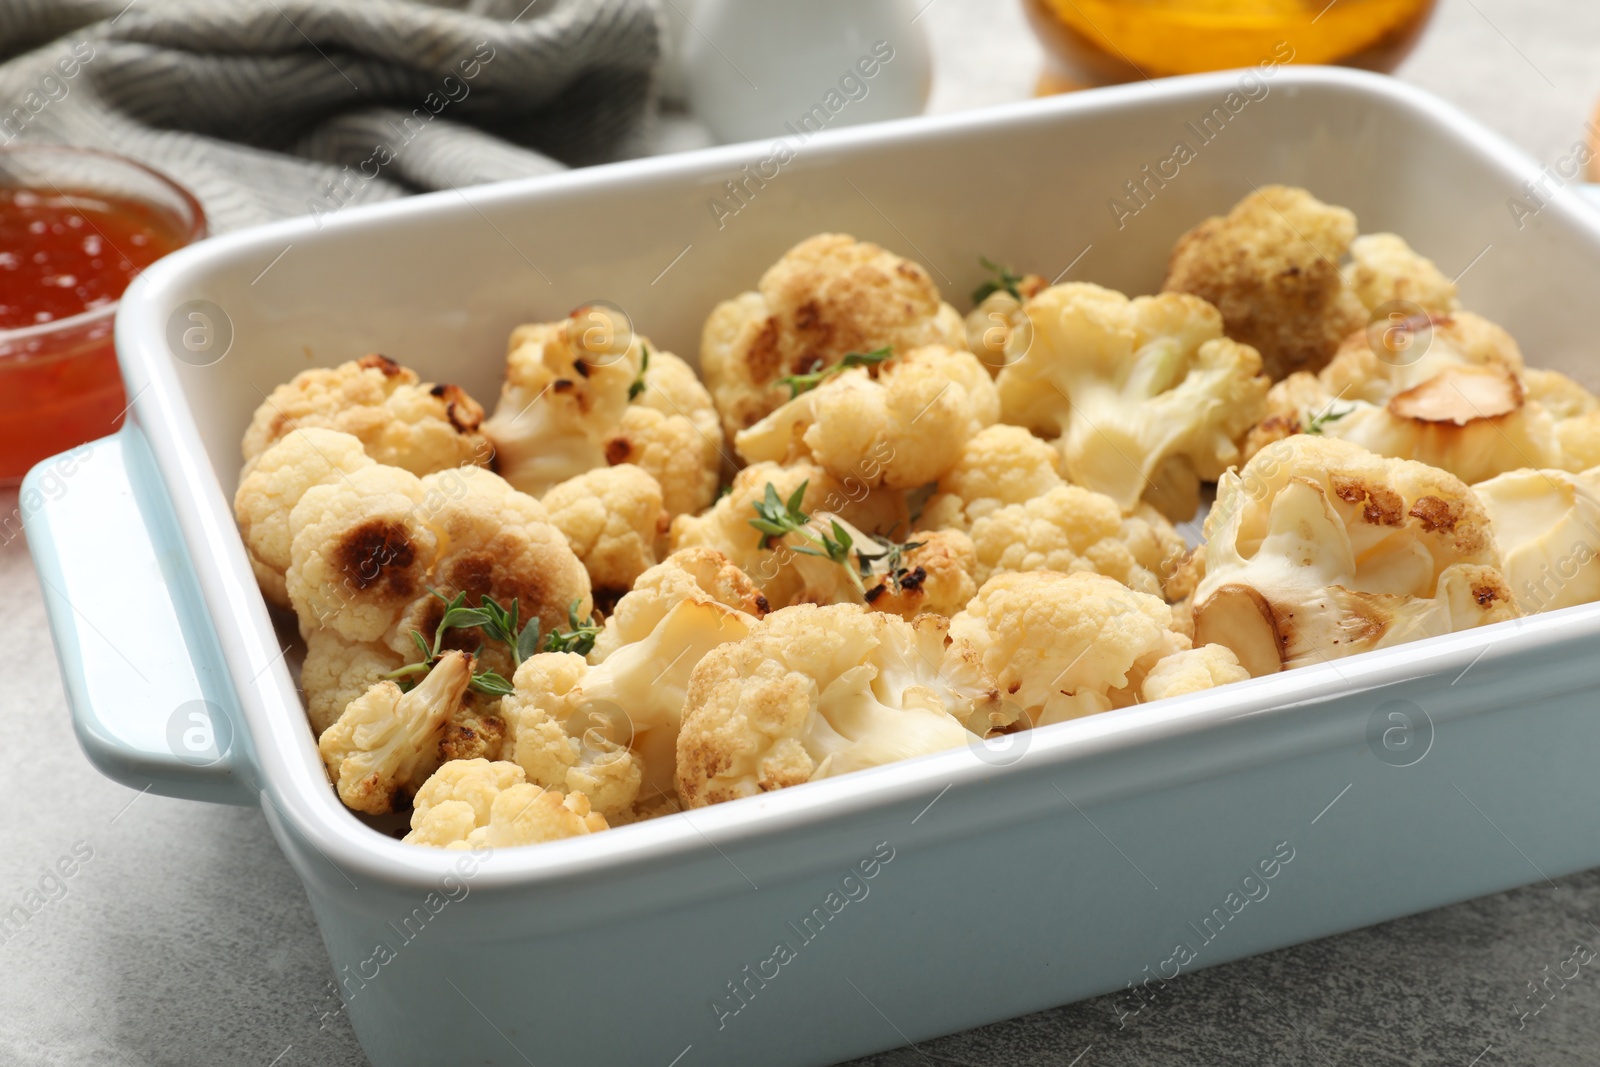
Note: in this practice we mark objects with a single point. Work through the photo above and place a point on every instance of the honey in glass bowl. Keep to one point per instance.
(1097, 42)
(76, 227)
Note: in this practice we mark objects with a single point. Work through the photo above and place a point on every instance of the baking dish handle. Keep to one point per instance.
(151, 703)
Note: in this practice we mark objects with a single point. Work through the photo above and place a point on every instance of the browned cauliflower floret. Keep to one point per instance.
(613, 518)
(476, 804)
(611, 729)
(1319, 549)
(901, 423)
(586, 392)
(1445, 391)
(1063, 645)
(274, 485)
(1271, 266)
(399, 421)
(1148, 397)
(378, 741)
(726, 526)
(1074, 529)
(828, 296)
(814, 692)
(1002, 465)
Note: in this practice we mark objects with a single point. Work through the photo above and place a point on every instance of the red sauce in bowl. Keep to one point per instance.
(66, 255)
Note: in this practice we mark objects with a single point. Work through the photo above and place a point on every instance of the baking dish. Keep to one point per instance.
(918, 898)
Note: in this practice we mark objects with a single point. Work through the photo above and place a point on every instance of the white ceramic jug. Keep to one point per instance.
(765, 68)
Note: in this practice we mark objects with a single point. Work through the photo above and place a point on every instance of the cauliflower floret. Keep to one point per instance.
(900, 424)
(828, 296)
(611, 730)
(1318, 549)
(1063, 645)
(1000, 466)
(1547, 526)
(997, 327)
(1447, 392)
(337, 671)
(612, 517)
(814, 692)
(400, 421)
(699, 574)
(1384, 268)
(1271, 267)
(1576, 412)
(475, 803)
(281, 475)
(1074, 529)
(726, 526)
(585, 392)
(934, 574)
(1191, 671)
(373, 748)
(1147, 395)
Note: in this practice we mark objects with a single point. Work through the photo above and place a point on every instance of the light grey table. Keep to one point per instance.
(186, 940)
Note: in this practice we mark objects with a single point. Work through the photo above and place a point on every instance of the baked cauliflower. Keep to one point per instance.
(1318, 549)
(275, 483)
(476, 804)
(695, 574)
(1147, 397)
(381, 737)
(828, 296)
(1062, 646)
(1001, 465)
(1191, 671)
(613, 517)
(1547, 526)
(399, 420)
(814, 692)
(1445, 391)
(900, 423)
(586, 392)
(611, 729)
(1272, 267)
(997, 326)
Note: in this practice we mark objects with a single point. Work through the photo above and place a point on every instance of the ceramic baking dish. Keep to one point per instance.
(863, 912)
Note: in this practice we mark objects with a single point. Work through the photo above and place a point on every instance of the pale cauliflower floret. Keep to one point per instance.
(700, 574)
(1576, 412)
(815, 692)
(337, 671)
(611, 730)
(579, 395)
(726, 525)
(900, 424)
(1447, 392)
(1000, 466)
(1271, 267)
(997, 327)
(475, 803)
(267, 494)
(1147, 395)
(828, 296)
(1318, 549)
(1074, 529)
(382, 736)
(1191, 671)
(1384, 268)
(612, 517)
(1063, 645)
(1547, 526)
(400, 421)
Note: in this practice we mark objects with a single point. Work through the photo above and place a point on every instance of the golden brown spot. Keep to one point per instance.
(1458, 395)
(1381, 506)
(389, 367)
(1435, 514)
(618, 449)
(563, 385)
(764, 359)
(581, 367)
(1484, 595)
(378, 551)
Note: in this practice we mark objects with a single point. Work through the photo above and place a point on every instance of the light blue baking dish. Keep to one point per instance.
(863, 912)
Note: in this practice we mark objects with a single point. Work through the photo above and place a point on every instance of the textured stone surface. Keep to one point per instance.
(187, 940)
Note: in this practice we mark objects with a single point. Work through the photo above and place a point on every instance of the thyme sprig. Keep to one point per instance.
(500, 624)
(804, 383)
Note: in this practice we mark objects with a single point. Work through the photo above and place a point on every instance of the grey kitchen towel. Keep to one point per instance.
(271, 108)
